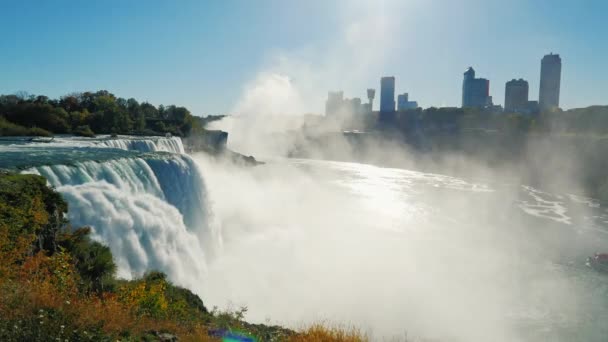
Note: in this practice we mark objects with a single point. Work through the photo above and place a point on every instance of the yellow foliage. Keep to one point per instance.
(38, 212)
(325, 333)
(145, 298)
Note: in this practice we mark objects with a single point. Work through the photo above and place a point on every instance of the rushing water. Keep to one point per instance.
(141, 196)
(399, 252)
(392, 251)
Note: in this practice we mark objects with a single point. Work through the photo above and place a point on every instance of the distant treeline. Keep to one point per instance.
(580, 121)
(90, 113)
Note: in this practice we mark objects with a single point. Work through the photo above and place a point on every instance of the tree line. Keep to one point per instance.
(90, 113)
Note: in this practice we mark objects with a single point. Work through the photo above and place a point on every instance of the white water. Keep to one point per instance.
(385, 249)
(135, 207)
(122, 142)
(173, 144)
(394, 251)
(153, 213)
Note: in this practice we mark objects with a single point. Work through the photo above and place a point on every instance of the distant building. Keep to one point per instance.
(550, 76)
(516, 96)
(337, 105)
(387, 94)
(475, 91)
(404, 103)
(532, 108)
(334, 103)
(371, 94)
(354, 106)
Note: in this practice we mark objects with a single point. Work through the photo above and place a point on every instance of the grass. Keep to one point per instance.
(323, 332)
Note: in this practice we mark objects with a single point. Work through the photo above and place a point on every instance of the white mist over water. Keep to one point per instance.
(388, 250)
(393, 250)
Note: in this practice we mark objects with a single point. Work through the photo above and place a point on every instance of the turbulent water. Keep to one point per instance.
(395, 252)
(403, 253)
(149, 206)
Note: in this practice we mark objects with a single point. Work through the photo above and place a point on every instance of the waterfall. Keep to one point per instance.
(173, 144)
(151, 212)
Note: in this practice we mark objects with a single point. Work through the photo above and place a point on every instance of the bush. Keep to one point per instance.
(84, 131)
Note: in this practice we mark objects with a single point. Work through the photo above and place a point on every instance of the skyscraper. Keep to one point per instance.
(516, 95)
(334, 103)
(387, 94)
(550, 76)
(475, 91)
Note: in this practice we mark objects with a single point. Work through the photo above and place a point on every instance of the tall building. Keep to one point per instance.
(404, 103)
(387, 94)
(334, 103)
(516, 96)
(550, 75)
(475, 91)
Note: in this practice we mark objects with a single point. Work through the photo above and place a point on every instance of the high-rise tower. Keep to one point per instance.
(387, 94)
(550, 78)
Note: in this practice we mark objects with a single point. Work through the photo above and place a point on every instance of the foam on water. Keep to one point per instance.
(173, 144)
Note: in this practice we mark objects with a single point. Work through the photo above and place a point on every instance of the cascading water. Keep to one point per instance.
(151, 210)
(173, 144)
(123, 142)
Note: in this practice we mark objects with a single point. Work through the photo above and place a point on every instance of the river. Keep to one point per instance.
(394, 252)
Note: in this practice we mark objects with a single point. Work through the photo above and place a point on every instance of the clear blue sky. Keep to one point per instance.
(209, 55)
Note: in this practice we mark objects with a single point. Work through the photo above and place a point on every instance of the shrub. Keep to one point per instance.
(84, 131)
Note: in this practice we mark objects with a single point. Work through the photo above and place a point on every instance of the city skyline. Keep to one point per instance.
(221, 58)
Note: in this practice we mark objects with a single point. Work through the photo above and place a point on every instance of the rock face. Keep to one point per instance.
(164, 337)
(214, 143)
(207, 141)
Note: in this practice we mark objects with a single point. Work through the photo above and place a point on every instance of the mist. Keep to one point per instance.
(449, 245)
(398, 252)
(402, 243)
